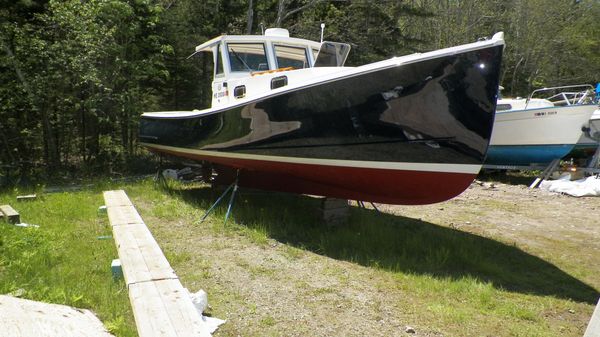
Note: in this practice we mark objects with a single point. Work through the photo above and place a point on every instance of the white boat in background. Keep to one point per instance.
(538, 130)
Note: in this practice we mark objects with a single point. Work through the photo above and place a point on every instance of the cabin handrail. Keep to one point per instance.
(576, 99)
(270, 71)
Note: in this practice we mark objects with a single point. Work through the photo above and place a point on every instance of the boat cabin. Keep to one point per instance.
(248, 66)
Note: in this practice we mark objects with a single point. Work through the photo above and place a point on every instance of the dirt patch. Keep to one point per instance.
(555, 227)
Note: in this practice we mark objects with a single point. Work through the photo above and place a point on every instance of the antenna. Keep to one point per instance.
(262, 28)
(322, 29)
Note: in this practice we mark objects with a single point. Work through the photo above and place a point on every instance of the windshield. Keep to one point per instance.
(288, 56)
(247, 57)
(332, 54)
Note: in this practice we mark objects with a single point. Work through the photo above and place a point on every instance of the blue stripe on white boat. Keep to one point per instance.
(525, 154)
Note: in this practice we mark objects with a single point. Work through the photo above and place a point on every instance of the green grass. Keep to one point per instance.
(62, 261)
(465, 283)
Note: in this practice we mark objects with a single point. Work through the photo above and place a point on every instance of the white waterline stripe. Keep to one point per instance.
(426, 167)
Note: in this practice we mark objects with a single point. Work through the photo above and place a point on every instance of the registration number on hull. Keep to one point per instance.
(544, 113)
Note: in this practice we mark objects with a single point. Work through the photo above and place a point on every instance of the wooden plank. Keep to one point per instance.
(123, 215)
(141, 257)
(161, 306)
(181, 310)
(9, 214)
(116, 198)
(593, 328)
(27, 197)
(170, 307)
(132, 261)
(151, 318)
(25, 318)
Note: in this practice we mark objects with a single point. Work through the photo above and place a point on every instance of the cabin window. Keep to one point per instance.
(291, 57)
(219, 67)
(247, 57)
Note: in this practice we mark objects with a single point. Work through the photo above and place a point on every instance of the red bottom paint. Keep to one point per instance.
(387, 186)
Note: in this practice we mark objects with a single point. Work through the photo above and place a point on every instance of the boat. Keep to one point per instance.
(535, 131)
(590, 139)
(288, 115)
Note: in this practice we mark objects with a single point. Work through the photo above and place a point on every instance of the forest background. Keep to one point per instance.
(76, 74)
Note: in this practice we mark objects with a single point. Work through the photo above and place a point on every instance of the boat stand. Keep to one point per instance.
(547, 172)
(595, 161)
(361, 204)
(233, 187)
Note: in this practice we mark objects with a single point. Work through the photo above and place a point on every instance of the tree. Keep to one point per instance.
(76, 74)
(284, 11)
(83, 67)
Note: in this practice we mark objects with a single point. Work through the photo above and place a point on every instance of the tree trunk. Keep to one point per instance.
(250, 16)
(9, 154)
(514, 78)
(49, 145)
(176, 79)
(131, 131)
(125, 127)
(82, 135)
(280, 13)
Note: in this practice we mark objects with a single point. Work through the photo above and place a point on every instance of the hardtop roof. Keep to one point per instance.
(207, 46)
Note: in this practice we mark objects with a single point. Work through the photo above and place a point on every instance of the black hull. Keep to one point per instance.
(434, 112)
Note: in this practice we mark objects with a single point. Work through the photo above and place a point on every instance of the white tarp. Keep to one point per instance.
(587, 187)
(200, 300)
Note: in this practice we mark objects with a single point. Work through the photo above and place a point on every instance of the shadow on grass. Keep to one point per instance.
(398, 244)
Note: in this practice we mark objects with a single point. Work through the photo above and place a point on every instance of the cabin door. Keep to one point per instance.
(219, 85)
